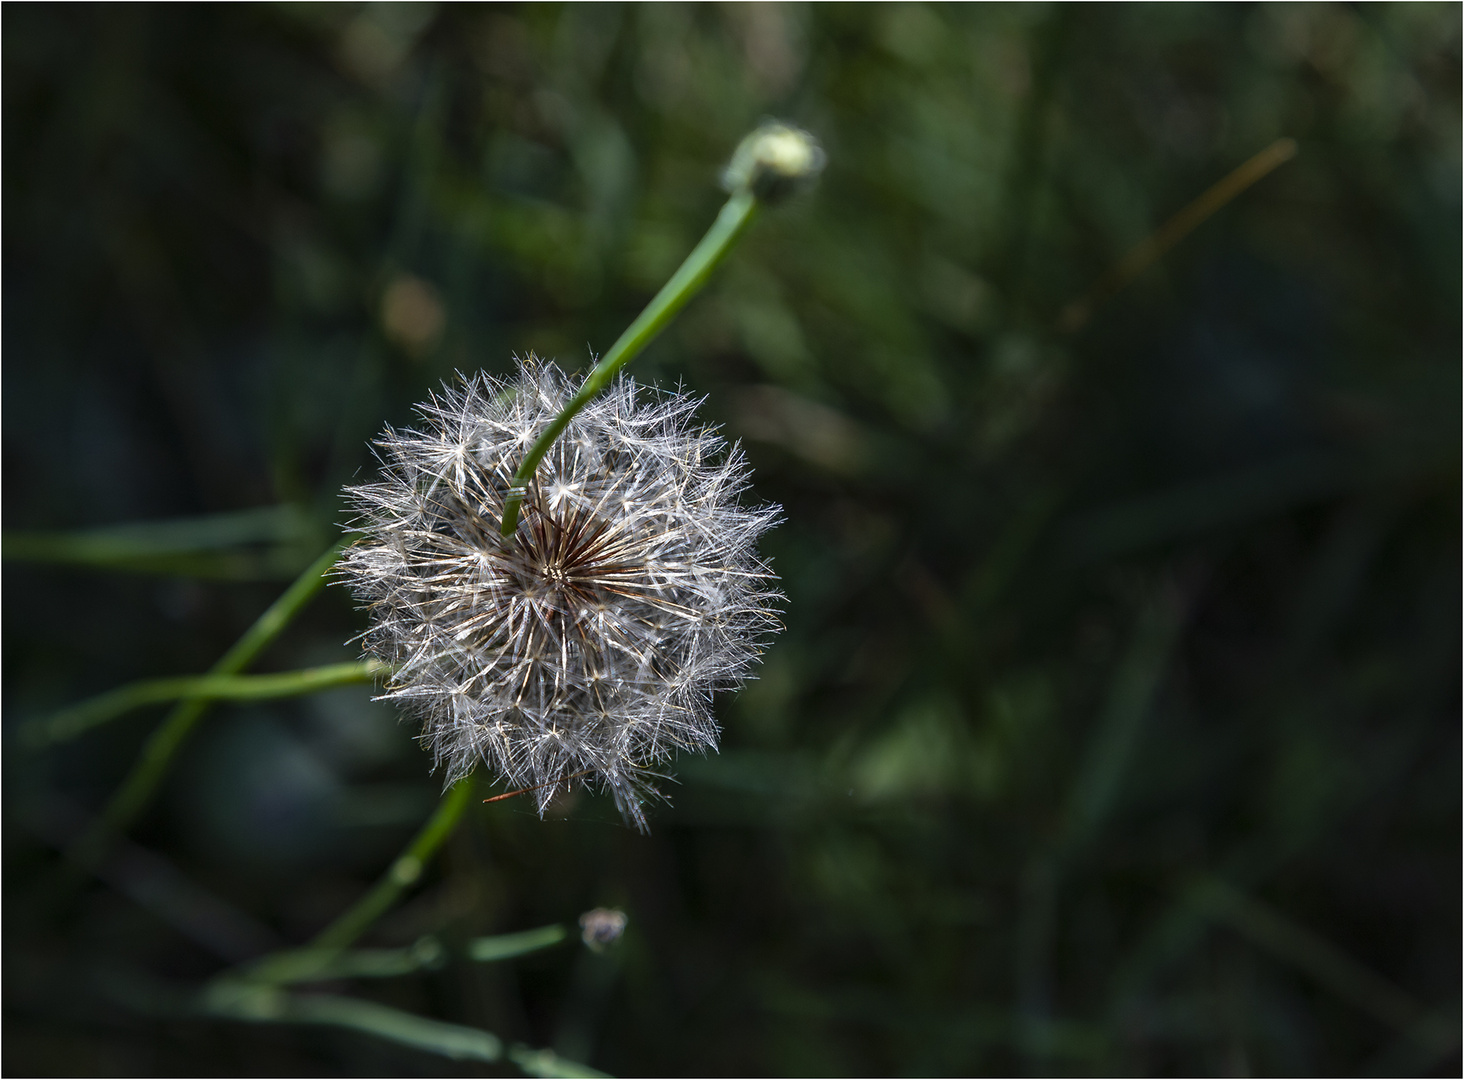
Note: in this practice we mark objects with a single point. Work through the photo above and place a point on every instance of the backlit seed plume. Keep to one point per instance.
(589, 645)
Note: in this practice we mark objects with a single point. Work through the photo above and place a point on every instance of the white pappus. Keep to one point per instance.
(590, 644)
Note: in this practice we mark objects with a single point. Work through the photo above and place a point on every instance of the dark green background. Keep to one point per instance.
(1084, 631)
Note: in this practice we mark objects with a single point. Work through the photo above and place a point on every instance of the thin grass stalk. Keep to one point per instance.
(268, 1005)
(312, 964)
(403, 873)
(82, 717)
(162, 747)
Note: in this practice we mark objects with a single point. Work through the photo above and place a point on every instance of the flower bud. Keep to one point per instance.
(774, 161)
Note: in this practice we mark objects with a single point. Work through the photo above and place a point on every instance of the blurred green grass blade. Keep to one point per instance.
(1242, 496)
(278, 563)
(506, 946)
(264, 1005)
(69, 723)
(1211, 899)
(1332, 581)
(189, 547)
(999, 566)
(1419, 1049)
(1310, 953)
(265, 524)
(434, 1036)
(549, 1064)
(321, 965)
(1171, 937)
(1130, 700)
(1207, 503)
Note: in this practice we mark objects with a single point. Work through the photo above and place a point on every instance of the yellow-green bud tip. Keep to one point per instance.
(774, 161)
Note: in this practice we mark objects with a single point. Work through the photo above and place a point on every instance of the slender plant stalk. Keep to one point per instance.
(1131, 696)
(736, 215)
(328, 965)
(1311, 953)
(152, 764)
(269, 1005)
(68, 723)
(1154, 247)
(403, 873)
(312, 964)
(506, 946)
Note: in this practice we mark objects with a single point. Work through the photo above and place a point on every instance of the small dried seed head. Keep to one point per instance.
(602, 927)
(590, 643)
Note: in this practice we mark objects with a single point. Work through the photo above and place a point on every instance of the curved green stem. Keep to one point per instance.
(403, 873)
(312, 964)
(252, 1003)
(326, 956)
(734, 218)
(68, 723)
(157, 755)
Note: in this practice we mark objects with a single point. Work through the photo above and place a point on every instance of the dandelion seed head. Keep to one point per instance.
(590, 644)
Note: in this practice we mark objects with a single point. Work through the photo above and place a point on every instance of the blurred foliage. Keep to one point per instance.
(1115, 728)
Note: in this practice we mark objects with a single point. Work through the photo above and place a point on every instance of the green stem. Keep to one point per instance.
(505, 946)
(403, 873)
(313, 964)
(734, 218)
(157, 755)
(328, 965)
(268, 1005)
(68, 723)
